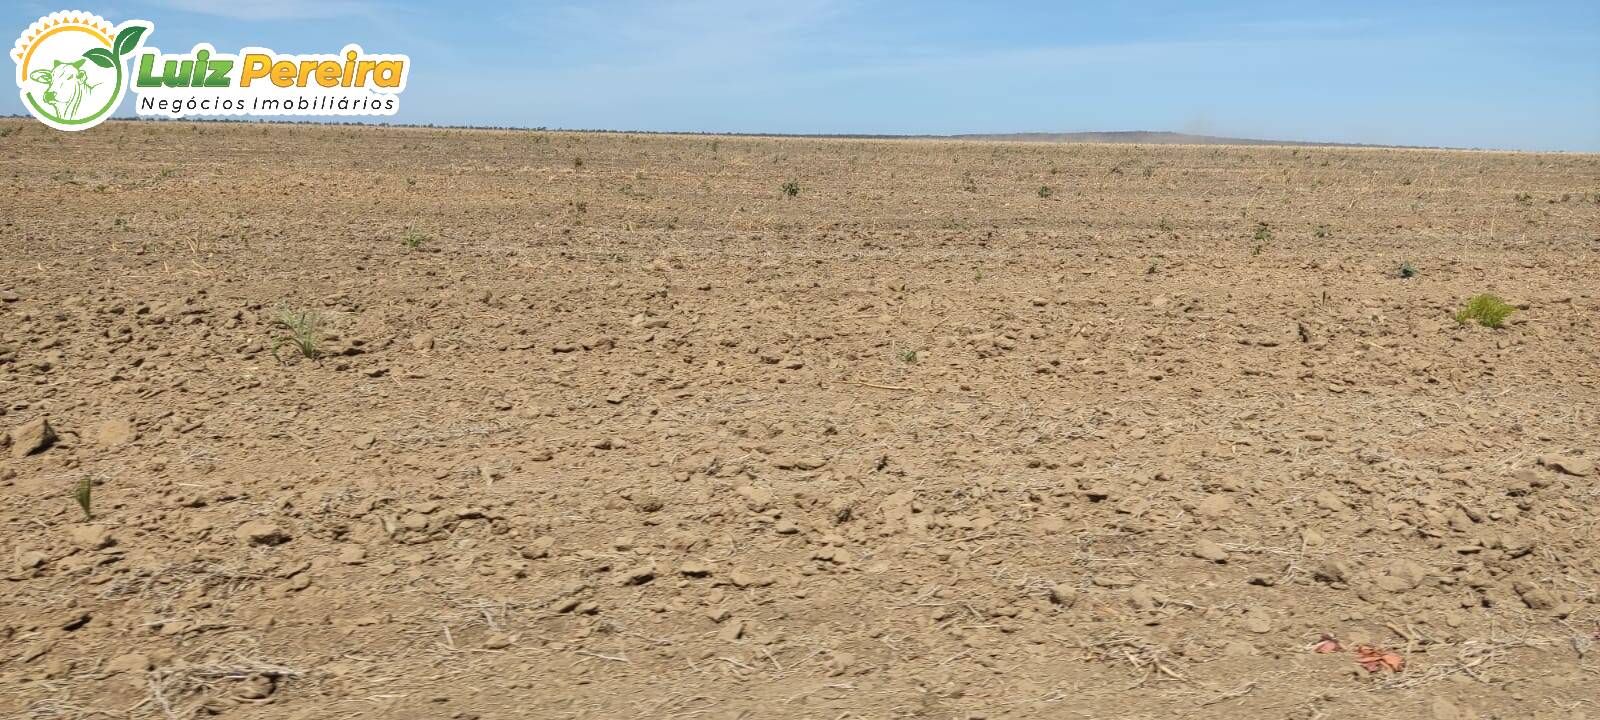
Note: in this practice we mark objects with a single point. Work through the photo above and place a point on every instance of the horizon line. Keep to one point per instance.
(1032, 136)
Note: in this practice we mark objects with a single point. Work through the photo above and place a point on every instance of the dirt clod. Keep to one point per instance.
(1579, 467)
(31, 437)
(92, 537)
(257, 532)
(116, 432)
(1209, 550)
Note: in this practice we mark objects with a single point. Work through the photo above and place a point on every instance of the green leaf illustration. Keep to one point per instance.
(101, 57)
(128, 39)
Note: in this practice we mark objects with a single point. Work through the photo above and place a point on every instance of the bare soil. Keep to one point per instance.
(611, 426)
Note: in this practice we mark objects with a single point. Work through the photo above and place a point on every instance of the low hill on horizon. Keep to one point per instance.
(1147, 137)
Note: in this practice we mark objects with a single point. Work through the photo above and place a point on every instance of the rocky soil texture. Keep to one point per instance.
(338, 422)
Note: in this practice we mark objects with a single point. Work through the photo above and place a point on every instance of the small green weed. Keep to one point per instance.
(302, 332)
(83, 494)
(909, 356)
(1406, 271)
(1487, 310)
(791, 188)
(1045, 192)
(414, 239)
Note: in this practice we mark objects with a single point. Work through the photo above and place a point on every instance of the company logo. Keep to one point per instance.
(73, 69)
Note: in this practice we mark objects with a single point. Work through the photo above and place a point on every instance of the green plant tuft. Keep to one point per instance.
(791, 188)
(1406, 271)
(302, 332)
(1487, 310)
(414, 239)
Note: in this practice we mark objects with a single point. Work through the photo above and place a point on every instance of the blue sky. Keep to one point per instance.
(1514, 75)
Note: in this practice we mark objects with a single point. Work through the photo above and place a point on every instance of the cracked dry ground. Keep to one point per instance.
(608, 426)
